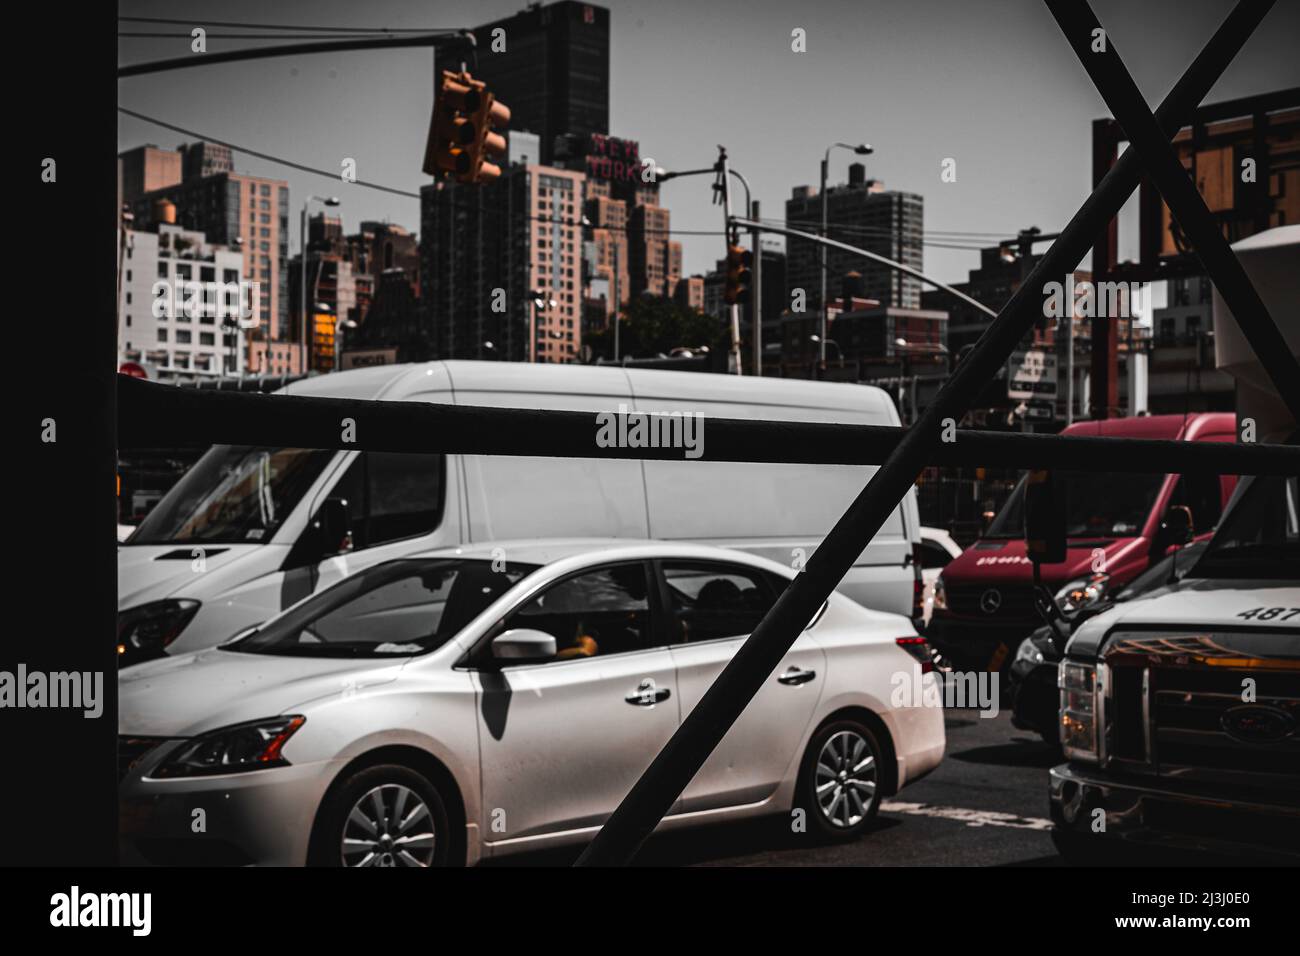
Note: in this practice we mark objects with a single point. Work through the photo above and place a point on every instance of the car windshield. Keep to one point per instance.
(395, 609)
(1260, 535)
(1097, 505)
(1176, 565)
(233, 494)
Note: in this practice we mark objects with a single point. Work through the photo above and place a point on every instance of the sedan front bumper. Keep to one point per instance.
(261, 817)
(1162, 815)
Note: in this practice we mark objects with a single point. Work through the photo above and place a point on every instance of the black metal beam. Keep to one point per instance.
(702, 729)
(162, 416)
(292, 49)
(1186, 204)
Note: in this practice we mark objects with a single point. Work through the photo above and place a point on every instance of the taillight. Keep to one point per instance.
(919, 649)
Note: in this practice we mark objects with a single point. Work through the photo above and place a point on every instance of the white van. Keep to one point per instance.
(250, 530)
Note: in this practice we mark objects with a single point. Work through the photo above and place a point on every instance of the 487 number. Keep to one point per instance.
(1270, 613)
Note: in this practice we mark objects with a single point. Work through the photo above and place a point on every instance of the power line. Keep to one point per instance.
(328, 174)
(275, 26)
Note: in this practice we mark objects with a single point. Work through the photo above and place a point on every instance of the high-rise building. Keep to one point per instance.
(246, 213)
(550, 65)
(180, 303)
(499, 260)
(861, 213)
(147, 168)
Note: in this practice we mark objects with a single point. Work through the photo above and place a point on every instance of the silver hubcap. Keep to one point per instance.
(846, 779)
(389, 826)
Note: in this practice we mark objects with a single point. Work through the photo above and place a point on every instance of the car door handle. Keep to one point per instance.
(796, 675)
(647, 694)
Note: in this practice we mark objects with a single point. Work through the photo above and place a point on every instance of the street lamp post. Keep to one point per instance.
(862, 149)
(907, 349)
(302, 297)
(539, 300)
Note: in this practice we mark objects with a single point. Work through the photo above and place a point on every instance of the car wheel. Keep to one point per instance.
(383, 816)
(839, 780)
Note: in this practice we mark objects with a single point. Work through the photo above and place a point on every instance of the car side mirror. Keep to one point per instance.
(333, 522)
(522, 644)
(1175, 529)
(1045, 519)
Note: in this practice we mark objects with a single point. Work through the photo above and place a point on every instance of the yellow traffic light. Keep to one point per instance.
(461, 134)
(739, 259)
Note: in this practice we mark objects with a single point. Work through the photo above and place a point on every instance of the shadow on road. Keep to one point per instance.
(1017, 753)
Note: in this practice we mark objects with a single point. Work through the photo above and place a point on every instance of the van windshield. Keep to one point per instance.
(1097, 505)
(233, 494)
(395, 609)
(1260, 536)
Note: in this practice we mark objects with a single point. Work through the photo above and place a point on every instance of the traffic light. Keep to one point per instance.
(739, 259)
(461, 134)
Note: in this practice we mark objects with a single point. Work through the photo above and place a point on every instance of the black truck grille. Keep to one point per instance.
(1009, 602)
(1197, 708)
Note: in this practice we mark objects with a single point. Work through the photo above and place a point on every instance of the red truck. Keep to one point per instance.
(984, 601)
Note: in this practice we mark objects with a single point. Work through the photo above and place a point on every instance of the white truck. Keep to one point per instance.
(1180, 713)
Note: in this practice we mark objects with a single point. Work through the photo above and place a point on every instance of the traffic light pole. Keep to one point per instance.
(757, 227)
(756, 296)
(730, 230)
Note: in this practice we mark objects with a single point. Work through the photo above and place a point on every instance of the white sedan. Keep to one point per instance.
(485, 700)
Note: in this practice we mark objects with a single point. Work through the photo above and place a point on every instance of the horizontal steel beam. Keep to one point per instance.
(161, 416)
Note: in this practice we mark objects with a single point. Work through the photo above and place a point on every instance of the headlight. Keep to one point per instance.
(1078, 685)
(940, 598)
(143, 632)
(1028, 651)
(1082, 593)
(251, 746)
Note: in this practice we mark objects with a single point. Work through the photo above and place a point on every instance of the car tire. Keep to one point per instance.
(386, 815)
(848, 801)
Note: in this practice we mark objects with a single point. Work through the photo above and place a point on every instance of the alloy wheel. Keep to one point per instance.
(389, 826)
(845, 780)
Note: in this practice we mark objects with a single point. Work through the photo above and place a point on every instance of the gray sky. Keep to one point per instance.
(990, 83)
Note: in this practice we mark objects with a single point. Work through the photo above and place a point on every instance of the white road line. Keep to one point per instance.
(972, 818)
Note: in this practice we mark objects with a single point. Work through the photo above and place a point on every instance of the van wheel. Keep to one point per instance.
(839, 780)
(387, 815)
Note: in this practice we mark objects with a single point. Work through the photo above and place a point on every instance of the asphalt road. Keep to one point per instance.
(985, 805)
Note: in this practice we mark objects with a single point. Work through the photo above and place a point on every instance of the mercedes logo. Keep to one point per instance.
(990, 601)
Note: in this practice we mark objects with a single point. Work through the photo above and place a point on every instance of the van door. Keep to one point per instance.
(393, 504)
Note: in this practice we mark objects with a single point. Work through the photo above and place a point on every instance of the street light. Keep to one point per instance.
(339, 326)
(822, 343)
(302, 298)
(540, 301)
(907, 348)
(862, 149)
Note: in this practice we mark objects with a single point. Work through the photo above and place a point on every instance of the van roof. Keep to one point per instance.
(1190, 427)
(400, 382)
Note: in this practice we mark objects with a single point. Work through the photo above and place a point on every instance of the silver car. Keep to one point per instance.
(480, 701)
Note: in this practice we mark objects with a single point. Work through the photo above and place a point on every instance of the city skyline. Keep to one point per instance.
(1026, 165)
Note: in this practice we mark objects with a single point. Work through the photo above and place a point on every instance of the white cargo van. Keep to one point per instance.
(250, 530)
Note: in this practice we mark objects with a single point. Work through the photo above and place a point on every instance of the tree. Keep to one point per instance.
(653, 325)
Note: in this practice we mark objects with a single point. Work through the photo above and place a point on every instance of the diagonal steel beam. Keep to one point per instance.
(669, 773)
(1126, 103)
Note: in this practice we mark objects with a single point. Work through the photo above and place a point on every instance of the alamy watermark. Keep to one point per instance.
(73, 690)
(239, 301)
(625, 429)
(952, 690)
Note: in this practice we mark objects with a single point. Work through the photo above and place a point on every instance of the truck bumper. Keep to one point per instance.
(1159, 815)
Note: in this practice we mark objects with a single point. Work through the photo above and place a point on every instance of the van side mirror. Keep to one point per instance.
(1175, 529)
(333, 522)
(522, 644)
(1045, 518)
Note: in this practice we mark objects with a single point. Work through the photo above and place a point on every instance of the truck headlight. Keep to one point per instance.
(1078, 685)
(144, 631)
(1029, 651)
(1082, 593)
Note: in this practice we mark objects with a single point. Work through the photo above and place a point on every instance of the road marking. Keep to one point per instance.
(972, 818)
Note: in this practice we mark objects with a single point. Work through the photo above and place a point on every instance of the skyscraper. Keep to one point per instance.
(861, 213)
(550, 65)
